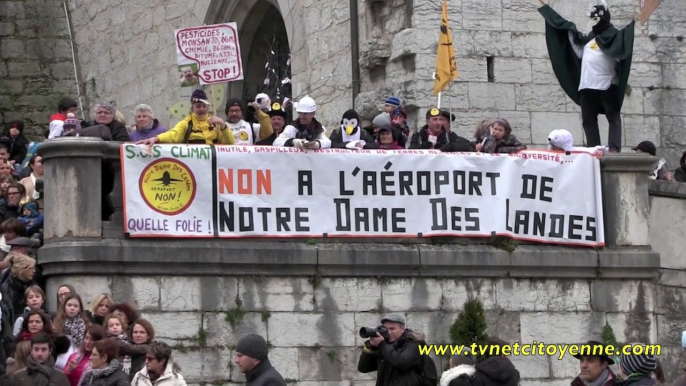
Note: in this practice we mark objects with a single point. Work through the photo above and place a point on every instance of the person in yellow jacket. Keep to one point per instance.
(198, 127)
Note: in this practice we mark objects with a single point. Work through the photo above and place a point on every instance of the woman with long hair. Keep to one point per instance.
(35, 322)
(99, 308)
(79, 362)
(71, 319)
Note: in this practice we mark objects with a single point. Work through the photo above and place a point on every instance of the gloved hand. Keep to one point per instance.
(298, 143)
(312, 145)
(355, 145)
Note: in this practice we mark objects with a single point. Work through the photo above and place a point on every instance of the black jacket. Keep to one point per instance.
(13, 295)
(17, 147)
(269, 141)
(496, 371)
(680, 173)
(337, 139)
(8, 212)
(264, 375)
(639, 381)
(462, 375)
(118, 378)
(304, 133)
(448, 141)
(396, 364)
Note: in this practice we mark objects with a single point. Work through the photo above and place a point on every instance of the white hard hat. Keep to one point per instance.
(306, 105)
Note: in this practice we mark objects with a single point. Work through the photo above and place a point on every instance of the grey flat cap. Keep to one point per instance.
(395, 318)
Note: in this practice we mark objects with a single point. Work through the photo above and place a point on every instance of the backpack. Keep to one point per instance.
(427, 371)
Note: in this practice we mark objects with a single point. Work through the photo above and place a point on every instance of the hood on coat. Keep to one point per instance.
(415, 335)
(498, 368)
(455, 373)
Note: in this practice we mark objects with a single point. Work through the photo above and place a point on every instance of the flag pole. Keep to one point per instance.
(438, 104)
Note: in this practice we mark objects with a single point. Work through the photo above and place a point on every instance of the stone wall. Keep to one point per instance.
(36, 66)
(312, 323)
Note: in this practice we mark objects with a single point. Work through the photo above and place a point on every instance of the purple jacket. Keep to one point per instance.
(139, 135)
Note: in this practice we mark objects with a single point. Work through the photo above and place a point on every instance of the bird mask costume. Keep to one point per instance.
(350, 126)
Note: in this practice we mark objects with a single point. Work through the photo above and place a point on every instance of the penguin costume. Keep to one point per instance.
(350, 135)
(592, 69)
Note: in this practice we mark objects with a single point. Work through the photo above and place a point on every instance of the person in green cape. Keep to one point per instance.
(593, 69)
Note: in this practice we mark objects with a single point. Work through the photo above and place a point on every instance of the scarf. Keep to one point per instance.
(97, 374)
(25, 336)
(36, 194)
(3, 245)
(41, 372)
(144, 130)
(604, 376)
(76, 328)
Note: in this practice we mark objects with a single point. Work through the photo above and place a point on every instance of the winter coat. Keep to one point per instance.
(297, 131)
(509, 144)
(462, 375)
(337, 141)
(23, 378)
(496, 371)
(201, 132)
(17, 147)
(396, 364)
(680, 173)
(140, 134)
(8, 212)
(118, 378)
(7, 346)
(610, 381)
(119, 132)
(643, 380)
(447, 141)
(264, 374)
(137, 354)
(169, 378)
(13, 293)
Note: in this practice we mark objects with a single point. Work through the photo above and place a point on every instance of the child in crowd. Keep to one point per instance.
(16, 143)
(32, 219)
(500, 139)
(116, 329)
(64, 107)
(34, 297)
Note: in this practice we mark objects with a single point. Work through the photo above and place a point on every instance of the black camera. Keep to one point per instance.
(370, 332)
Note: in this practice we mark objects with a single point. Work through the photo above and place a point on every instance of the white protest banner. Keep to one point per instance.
(212, 52)
(166, 192)
(538, 196)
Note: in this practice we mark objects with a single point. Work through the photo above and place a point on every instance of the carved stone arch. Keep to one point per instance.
(249, 15)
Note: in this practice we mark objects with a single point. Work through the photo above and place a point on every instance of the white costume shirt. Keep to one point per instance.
(243, 133)
(598, 70)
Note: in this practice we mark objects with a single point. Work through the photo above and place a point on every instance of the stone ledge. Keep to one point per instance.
(630, 163)
(269, 258)
(667, 189)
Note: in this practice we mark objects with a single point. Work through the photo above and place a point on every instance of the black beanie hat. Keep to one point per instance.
(253, 346)
(231, 103)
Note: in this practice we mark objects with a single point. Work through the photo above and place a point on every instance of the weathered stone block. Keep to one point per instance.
(178, 293)
(513, 70)
(671, 129)
(489, 43)
(220, 331)
(330, 364)
(665, 102)
(374, 53)
(175, 325)
(457, 292)
(434, 325)
(143, 292)
(671, 300)
(491, 96)
(473, 12)
(411, 294)
(646, 75)
(548, 261)
(673, 278)
(529, 45)
(545, 295)
(218, 293)
(543, 123)
(368, 319)
(12, 49)
(533, 97)
(622, 296)
(285, 361)
(343, 294)
(522, 16)
(3, 70)
(534, 366)
(639, 263)
(350, 259)
(276, 294)
(567, 367)
(472, 69)
(469, 261)
(674, 75)
(88, 287)
(520, 121)
(561, 327)
(633, 104)
(206, 365)
(298, 330)
(542, 72)
(504, 325)
(634, 327)
(12, 10)
(6, 29)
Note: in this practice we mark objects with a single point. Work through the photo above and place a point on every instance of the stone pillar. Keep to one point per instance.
(625, 199)
(72, 187)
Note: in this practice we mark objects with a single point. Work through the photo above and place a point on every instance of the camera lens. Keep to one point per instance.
(367, 332)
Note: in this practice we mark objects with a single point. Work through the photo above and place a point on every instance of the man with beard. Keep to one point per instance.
(277, 116)
(41, 366)
(306, 132)
(592, 69)
(247, 133)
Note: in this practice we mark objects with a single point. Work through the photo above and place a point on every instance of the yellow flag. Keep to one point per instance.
(446, 66)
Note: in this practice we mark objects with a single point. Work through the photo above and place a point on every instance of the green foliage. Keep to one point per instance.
(235, 315)
(470, 325)
(179, 347)
(609, 336)
(311, 241)
(315, 280)
(504, 243)
(331, 355)
(200, 338)
(266, 314)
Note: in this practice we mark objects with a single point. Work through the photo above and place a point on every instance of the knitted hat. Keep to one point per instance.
(199, 96)
(32, 206)
(638, 364)
(400, 111)
(254, 346)
(382, 120)
(19, 125)
(393, 101)
(72, 122)
(232, 103)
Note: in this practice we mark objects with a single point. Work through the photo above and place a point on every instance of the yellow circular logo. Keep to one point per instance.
(243, 135)
(276, 106)
(594, 46)
(435, 112)
(167, 186)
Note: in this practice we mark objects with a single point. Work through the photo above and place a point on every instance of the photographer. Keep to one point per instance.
(393, 351)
